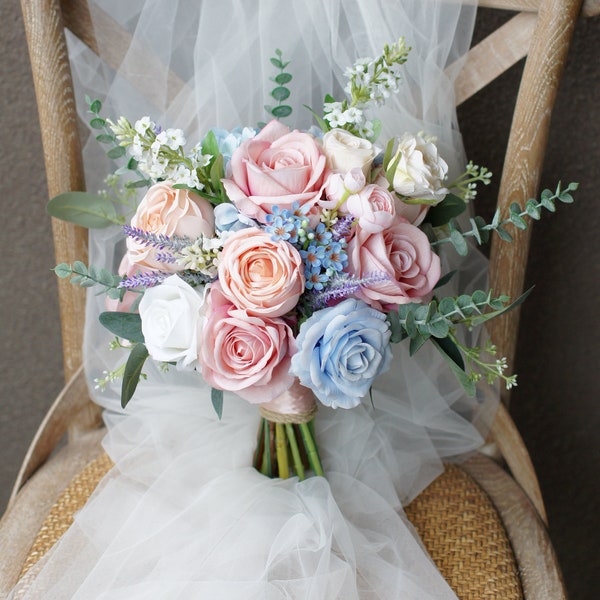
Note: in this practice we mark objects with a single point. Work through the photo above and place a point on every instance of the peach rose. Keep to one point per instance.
(277, 167)
(403, 254)
(260, 275)
(168, 211)
(244, 353)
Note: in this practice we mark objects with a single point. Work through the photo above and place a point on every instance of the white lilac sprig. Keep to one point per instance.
(160, 154)
(370, 83)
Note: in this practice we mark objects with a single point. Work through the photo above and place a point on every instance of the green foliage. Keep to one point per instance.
(280, 93)
(480, 231)
(216, 397)
(449, 208)
(90, 276)
(133, 372)
(93, 211)
(124, 325)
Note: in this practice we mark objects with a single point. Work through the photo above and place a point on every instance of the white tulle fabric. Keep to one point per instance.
(183, 514)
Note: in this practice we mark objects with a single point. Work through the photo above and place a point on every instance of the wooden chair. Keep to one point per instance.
(506, 512)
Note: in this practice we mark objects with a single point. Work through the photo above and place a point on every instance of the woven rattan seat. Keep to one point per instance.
(454, 517)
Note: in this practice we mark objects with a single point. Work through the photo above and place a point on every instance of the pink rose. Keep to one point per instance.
(277, 167)
(339, 187)
(259, 275)
(374, 207)
(246, 354)
(168, 211)
(402, 252)
(413, 213)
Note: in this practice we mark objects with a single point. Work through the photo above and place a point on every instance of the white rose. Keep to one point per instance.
(345, 151)
(421, 171)
(172, 319)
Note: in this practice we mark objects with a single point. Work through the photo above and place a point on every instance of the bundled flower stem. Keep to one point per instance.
(279, 442)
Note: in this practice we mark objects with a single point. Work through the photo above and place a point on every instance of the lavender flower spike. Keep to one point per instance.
(160, 241)
(343, 287)
(143, 280)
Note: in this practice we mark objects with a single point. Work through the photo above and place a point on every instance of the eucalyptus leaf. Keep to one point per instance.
(63, 270)
(97, 123)
(83, 208)
(450, 207)
(451, 354)
(95, 106)
(280, 93)
(124, 325)
(132, 373)
(283, 78)
(216, 397)
(116, 152)
(281, 111)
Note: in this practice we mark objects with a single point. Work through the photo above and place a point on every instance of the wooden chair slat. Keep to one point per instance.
(524, 156)
(590, 8)
(494, 55)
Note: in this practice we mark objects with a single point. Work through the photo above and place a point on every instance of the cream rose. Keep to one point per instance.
(278, 167)
(345, 151)
(259, 275)
(421, 171)
(172, 318)
(168, 211)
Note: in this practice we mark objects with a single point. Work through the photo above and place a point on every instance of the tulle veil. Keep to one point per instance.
(183, 514)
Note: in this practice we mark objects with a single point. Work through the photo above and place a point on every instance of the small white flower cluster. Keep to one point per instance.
(467, 183)
(370, 83)
(159, 153)
(202, 256)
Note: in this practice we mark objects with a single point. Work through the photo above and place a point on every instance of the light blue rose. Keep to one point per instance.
(228, 218)
(341, 350)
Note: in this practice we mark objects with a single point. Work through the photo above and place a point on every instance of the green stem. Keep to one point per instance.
(298, 466)
(281, 449)
(311, 449)
(266, 467)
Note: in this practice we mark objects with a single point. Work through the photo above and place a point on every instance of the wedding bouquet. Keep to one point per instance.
(282, 265)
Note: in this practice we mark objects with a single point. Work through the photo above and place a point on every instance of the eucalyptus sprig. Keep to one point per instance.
(90, 276)
(480, 230)
(280, 93)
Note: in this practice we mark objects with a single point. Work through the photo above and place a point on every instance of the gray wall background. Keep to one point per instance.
(556, 403)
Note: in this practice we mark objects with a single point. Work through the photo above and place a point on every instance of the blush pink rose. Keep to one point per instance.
(245, 354)
(277, 167)
(374, 208)
(260, 275)
(403, 254)
(413, 213)
(168, 211)
(339, 187)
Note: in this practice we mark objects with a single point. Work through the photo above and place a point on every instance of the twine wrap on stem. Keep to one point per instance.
(286, 428)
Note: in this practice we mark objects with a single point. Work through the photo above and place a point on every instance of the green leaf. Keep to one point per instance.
(116, 152)
(63, 270)
(133, 371)
(280, 93)
(391, 169)
(395, 327)
(439, 327)
(450, 207)
(329, 99)
(518, 221)
(322, 124)
(445, 279)
(459, 242)
(283, 78)
(447, 305)
(377, 125)
(533, 210)
(416, 343)
(124, 325)
(277, 63)
(210, 144)
(105, 138)
(282, 111)
(95, 106)
(216, 397)
(492, 315)
(387, 155)
(504, 235)
(83, 208)
(140, 183)
(410, 325)
(450, 352)
(97, 123)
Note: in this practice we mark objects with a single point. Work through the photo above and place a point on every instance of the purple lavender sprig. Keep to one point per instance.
(174, 243)
(143, 280)
(342, 286)
(342, 228)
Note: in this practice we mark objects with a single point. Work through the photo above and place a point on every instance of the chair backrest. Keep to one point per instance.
(541, 29)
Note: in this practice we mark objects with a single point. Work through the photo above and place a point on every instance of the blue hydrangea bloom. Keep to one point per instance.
(228, 218)
(341, 350)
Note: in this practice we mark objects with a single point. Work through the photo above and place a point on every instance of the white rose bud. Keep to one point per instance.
(421, 171)
(172, 319)
(345, 151)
